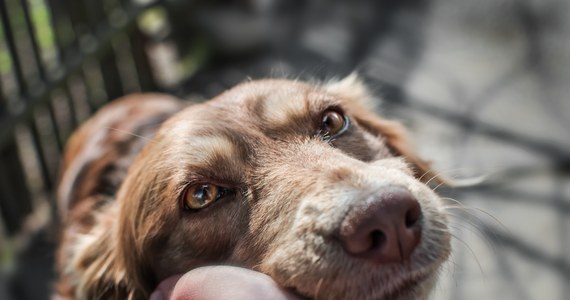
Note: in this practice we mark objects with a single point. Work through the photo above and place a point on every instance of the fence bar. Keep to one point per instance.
(111, 77)
(108, 63)
(40, 68)
(22, 90)
(56, 128)
(15, 58)
(71, 66)
(3, 103)
(56, 12)
(142, 64)
(15, 201)
(40, 155)
(70, 105)
(33, 40)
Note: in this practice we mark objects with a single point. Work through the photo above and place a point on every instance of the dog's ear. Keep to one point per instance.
(360, 105)
(95, 271)
(135, 229)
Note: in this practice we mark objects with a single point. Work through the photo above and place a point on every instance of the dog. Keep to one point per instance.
(302, 182)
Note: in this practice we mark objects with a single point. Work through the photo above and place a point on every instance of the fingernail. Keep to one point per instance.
(157, 295)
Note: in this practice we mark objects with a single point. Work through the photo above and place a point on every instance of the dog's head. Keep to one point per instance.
(298, 181)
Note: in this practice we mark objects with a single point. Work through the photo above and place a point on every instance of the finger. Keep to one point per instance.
(223, 282)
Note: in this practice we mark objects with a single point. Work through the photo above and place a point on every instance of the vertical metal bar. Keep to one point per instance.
(70, 106)
(44, 169)
(40, 68)
(88, 91)
(39, 144)
(95, 14)
(111, 77)
(53, 14)
(15, 201)
(140, 57)
(108, 64)
(33, 40)
(23, 90)
(56, 129)
(76, 14)
(15, 58)
(3, 103)
(56, 12)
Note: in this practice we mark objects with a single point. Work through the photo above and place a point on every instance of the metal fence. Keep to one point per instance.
(59, 61)
(97, 51)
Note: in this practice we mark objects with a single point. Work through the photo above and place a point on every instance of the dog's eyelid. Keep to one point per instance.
(199, 195)
(332, 116)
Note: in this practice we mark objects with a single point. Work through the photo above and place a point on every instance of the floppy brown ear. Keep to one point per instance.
(360, 105)
(94, 271)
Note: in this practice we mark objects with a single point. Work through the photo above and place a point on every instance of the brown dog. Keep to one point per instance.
(297, 181)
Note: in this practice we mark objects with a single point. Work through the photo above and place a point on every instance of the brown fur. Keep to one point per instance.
(291, 189)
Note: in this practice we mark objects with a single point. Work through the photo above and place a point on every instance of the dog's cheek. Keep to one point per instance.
(273, 203)
(268, 223)
(362, 145)
(200, 239)
(305, 255)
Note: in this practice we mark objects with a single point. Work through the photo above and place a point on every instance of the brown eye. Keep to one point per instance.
(201, 195)
(333, 123)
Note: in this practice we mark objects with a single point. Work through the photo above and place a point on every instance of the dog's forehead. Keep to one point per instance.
(247, 117)
(275, 102)
(259, 105)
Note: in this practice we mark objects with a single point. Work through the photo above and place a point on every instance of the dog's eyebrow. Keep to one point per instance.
(202, 150)
(280, 108)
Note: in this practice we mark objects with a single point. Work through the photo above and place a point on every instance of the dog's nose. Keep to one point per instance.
(386, 229)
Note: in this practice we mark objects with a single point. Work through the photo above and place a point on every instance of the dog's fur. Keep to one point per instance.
(291, 189)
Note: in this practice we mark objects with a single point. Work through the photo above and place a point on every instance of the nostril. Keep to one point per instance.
(413, 216)
(378, 238)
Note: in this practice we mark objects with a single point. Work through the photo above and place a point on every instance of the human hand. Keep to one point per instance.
(221, 282)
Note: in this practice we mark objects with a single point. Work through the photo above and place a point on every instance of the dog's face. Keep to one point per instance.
(297, 181)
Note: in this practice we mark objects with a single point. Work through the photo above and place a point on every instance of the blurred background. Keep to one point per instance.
(483, 86)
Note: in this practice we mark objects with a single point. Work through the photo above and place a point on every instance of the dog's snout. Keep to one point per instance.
(383, 230)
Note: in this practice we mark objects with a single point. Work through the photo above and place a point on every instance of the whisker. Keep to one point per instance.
(443, 172)
(448, 269)
(460, 182)
(469, 218)
(318, 288)
(472, 253)
(476, 231)
(476, 209)
(437, 186)
(465, 209)
(424, 174)
(452, 255)
(432, 178)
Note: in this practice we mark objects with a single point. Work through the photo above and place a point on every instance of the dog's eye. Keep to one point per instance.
(333, 123)
(201, 195)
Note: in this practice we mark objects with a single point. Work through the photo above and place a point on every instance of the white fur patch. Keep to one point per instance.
(278, 109)
(353, 89)
(205, 148)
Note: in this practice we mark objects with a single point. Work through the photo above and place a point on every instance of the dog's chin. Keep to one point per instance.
(414, 287)
(343, 277)
(410, 287)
